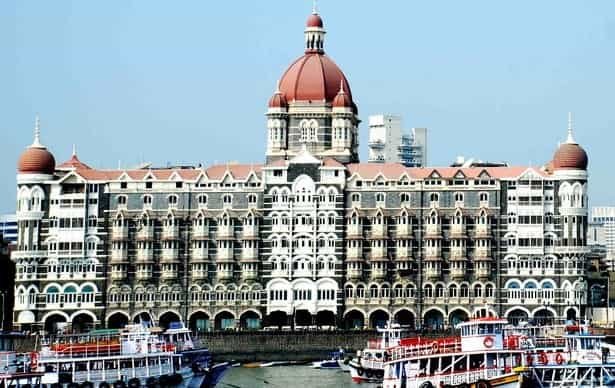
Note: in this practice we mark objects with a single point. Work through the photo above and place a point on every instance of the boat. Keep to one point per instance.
(586, 360)
(333, 362)
(17, 369)
(368, 366)
(481, 356)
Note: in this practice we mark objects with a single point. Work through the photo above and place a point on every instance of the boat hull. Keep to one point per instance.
(360, 373)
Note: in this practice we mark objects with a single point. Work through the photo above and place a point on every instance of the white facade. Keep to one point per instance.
(602, 231)
(388, 142)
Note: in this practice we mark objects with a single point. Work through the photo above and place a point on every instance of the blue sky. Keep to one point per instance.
(188, 81)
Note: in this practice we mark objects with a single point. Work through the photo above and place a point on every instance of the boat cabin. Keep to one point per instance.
(179, 335)
(482, 334)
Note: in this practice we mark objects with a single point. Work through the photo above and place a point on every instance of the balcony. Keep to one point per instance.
(403, 264)
(169, 271)
(170, 255)
(403, 254)
(403, 231)
(145, 255)
(224, 271)
(379, 231)
(145, 233)
(378, 253)
(355, 231)
(482, 253)
(432, 272)
(199, 254)
(482, 231)
(144, 272)
(200, 232)
(249, 271)
(119, 233)
(433, 253)
(433, 231)
(458, 230)
(224, 254)
(170, 232)
(458, 253)
(458, 269)
(249, 254)
(198, 272)
(225, 232)
(483, 269)
(354, 252)
(379, 272)
(354, 270)
(249, 232)
(119, 255)
(119, 272)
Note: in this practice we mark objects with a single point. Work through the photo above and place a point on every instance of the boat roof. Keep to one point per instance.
(486, 320)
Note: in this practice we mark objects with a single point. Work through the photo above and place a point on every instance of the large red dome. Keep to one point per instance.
(36, 160)
(314, 77)
(570, 156)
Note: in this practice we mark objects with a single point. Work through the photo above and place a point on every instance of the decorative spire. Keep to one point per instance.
(277, 87)
(570, 139)
(37, 133)
(341, 86)
(74, 150)
(314, 7)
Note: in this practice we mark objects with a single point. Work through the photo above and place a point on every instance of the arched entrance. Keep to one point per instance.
(354, 319)
(250, 320)
(144, 319)
(199, 322)
(325, 319)
(543, 317)
(225, 320)
(55, 323)
(433, 319)
(82, 323)
(117, 321)
(277, 319)
(457, 316)
(303, 319)
(378, 318)
(517, 315)
(405, 317)
(167, 318)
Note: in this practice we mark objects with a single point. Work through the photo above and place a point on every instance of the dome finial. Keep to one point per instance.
(277, 87)
(341, 86)
(37, 133)
(74, 149)
(315, 7)
(570, 139)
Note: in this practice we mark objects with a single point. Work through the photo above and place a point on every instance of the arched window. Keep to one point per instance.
(173, 200)
(202, 200)
(147, 199)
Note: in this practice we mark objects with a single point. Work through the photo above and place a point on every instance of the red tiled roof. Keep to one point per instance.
(396, 170)
(73, 162)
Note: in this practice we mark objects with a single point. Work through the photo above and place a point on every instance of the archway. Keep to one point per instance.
(457, 316)
(55, 323)
(144, 319)
(250, 320)
(325, 318)
(354, 319)
(199, 322)
(303, 319)
(378, 318)
(517, 315)
(277, 319)
(405, 317)
(543, 317)
(82, 323)
(225, 320)
(434, 319)
(167, 318)
(117, 321)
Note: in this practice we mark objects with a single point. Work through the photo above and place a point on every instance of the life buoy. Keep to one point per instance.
(488, 342)
(360, 371)
(529, 359)
(482, 384)
(434, 347)
(543, 358)
(33, 361)
(559, 359)
(368, 374)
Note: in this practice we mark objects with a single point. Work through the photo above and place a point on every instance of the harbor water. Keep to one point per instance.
(288, 376)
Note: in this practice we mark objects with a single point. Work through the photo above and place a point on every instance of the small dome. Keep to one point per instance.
(342, 100)
(570, 156)
(36, 160)
(278, 100)
(314, 20)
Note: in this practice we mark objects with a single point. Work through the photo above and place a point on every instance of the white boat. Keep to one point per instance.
(334, 361)
(368, 366)
(129, 358)
(479, 357)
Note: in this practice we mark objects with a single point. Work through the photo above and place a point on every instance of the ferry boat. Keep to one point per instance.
(586, 360)
(484, 356)
(335, 361)
(368, 366)
(16, 369)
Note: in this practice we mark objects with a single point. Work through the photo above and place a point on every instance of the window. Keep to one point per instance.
(173, 199)
(380, 197)
(483, 197)
(147, 199)
(121, 200)
(227, 199)
(252, 198)
(355, 197)
(179, 185)
(123, 185)
(458, 197)
(202, 199)
(434, 198)
(277, 173)
(404, 198)
(148, 185)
